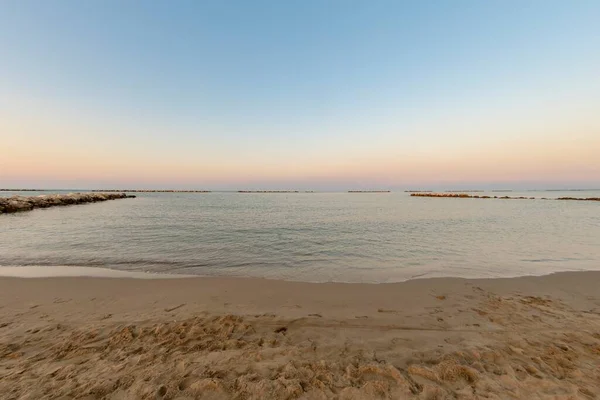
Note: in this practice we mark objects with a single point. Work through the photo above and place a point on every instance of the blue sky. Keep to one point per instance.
(327, 94)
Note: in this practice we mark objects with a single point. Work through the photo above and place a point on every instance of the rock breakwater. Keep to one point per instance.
(580, 198)
(27, 203)
(468, 196)
(454, 195)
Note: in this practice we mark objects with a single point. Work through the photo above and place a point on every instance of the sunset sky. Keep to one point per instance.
(300, 94)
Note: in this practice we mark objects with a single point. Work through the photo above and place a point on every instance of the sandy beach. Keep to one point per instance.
(221, 338)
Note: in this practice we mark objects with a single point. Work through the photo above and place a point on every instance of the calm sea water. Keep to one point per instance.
(380, 237)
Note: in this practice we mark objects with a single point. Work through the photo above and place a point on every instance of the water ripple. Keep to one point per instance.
(312, 237)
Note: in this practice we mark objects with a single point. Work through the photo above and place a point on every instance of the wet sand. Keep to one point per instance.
(222, 338)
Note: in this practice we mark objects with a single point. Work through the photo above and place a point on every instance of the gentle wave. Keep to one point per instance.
(56, 271)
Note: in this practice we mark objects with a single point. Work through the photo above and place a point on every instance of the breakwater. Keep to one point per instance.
(27, 203)
(580, 198)
(468, 196)
(463, 196)
(112, 190)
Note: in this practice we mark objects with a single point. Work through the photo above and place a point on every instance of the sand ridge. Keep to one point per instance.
(95, 338)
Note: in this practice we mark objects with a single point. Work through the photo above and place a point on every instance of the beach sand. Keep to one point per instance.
(241, 338)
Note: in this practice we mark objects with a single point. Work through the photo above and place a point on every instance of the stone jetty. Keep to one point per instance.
(454, 195)
(580, 198)
(27, 203)
(468, 196)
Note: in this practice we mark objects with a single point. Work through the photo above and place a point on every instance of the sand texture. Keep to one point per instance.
(214, 338)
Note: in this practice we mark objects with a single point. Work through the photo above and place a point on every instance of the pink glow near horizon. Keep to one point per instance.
(561, 146)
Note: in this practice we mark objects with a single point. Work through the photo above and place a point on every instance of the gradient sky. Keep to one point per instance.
(321, 94)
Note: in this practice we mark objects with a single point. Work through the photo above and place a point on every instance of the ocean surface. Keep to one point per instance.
(316, 237)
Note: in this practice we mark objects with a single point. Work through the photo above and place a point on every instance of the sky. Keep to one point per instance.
(324, 95)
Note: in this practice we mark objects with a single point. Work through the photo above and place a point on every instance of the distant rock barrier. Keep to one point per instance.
(25, 190)
(468, 196)
(580, 198)
(27, 203)
(453, 195)
(114, 190)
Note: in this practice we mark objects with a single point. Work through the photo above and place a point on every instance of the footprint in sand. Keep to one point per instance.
(186, 383)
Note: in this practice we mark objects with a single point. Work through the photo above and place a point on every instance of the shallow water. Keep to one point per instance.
(362, 237)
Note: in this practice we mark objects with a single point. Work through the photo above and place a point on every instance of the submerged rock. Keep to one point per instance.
(26, 203)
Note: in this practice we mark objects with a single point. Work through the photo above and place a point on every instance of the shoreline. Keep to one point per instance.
(71, 271)
(63, 271)
(254, 338)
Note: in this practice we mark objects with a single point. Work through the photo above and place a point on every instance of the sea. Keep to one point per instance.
(313, 237)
